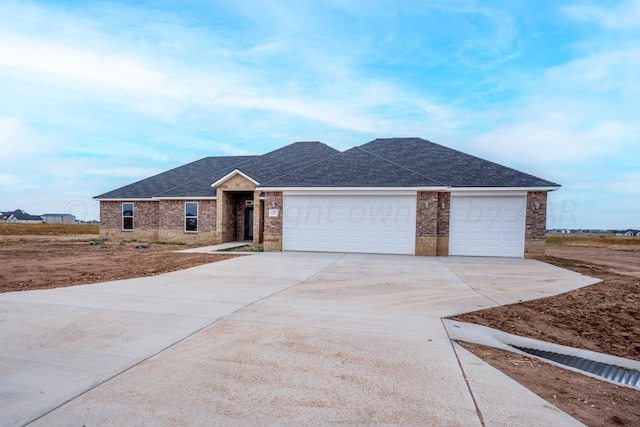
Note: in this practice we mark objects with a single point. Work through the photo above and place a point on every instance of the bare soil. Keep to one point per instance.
(604, 317)
(43, 262)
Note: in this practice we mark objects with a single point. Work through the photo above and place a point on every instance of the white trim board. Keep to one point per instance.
(231, 174)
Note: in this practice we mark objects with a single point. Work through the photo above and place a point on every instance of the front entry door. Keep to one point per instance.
(248, 224)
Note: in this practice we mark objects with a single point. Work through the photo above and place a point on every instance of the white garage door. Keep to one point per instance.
(362, 224)
(487, 226)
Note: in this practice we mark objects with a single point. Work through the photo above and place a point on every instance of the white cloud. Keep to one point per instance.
(624, 16)
(228, 149)
(19, 141)
(9, 128)
(611, 71)
(102, 68)
(548, 139)
(628, 184)
(120, 172)
(14, 183)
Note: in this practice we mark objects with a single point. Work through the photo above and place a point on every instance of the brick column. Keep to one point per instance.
(444, 199)
(273, 224)
(536, 225)
(426, 223)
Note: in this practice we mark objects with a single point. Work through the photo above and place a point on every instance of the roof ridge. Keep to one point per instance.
(306, 166)
(401, 166)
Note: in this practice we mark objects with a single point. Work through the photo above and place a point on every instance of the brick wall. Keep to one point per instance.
(171, 228)
(146, 219)
(273, 225)
(536, 224)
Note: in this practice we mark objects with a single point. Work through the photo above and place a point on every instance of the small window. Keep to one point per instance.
(127, 216)
(191, 216)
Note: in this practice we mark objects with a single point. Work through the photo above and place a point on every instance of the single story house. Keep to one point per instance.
(393, 196)
(20, 217)
(63, 218)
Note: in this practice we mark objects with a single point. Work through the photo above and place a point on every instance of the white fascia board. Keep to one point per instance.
(353, 191)
(232, 173)
(496, 191)
(155, 199)
(347, 191)
(185, 198)
(130, 199)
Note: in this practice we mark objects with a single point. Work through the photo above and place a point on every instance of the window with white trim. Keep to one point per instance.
(191, 217)
(127, 216)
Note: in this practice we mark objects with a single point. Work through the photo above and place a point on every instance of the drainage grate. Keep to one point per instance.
(630, 377)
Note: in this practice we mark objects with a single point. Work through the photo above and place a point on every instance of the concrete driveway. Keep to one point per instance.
(272, 338)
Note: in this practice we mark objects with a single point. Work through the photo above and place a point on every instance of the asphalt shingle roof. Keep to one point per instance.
(21, 215)
(389, 162)
(451, 167)
(195, 179)
(353, 168)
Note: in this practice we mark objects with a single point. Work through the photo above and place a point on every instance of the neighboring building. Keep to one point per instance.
(64, 218)
(21, 217)
(397, 196)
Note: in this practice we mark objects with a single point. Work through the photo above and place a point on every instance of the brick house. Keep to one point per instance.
(396, 196)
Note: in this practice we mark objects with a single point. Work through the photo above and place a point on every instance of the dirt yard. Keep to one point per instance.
(42, 262)
(604, 317)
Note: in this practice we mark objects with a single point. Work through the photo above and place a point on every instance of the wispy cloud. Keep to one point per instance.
(623, 16)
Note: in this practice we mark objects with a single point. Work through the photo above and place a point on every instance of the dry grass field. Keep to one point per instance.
(608, 241)
(45, 229)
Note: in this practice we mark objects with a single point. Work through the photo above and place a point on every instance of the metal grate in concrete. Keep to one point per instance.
(630, 377)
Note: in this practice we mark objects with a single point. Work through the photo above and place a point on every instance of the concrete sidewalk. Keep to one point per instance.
(272, 338)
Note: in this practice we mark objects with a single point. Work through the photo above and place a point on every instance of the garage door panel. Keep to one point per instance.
(487, 226)
(367, 224)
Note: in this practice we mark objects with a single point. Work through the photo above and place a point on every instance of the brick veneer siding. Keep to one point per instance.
(535, 225)
(444, 199)
(171, 228)
(146, 220)
(273, 225)
(426, 223)
(229, 213)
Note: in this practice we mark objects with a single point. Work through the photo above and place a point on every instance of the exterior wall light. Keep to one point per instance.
(537, 205)
(273, 204)
(426, 205)
(442, 205)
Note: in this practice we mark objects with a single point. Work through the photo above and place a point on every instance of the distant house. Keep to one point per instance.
(21, 217)
(64, 218)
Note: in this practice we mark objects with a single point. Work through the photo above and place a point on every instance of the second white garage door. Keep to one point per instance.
(487, 226)
(361, 224)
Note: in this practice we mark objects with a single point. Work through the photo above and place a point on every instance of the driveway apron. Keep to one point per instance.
(272, 338)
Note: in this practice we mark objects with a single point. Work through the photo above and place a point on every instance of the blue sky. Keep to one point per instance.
(95, 95)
